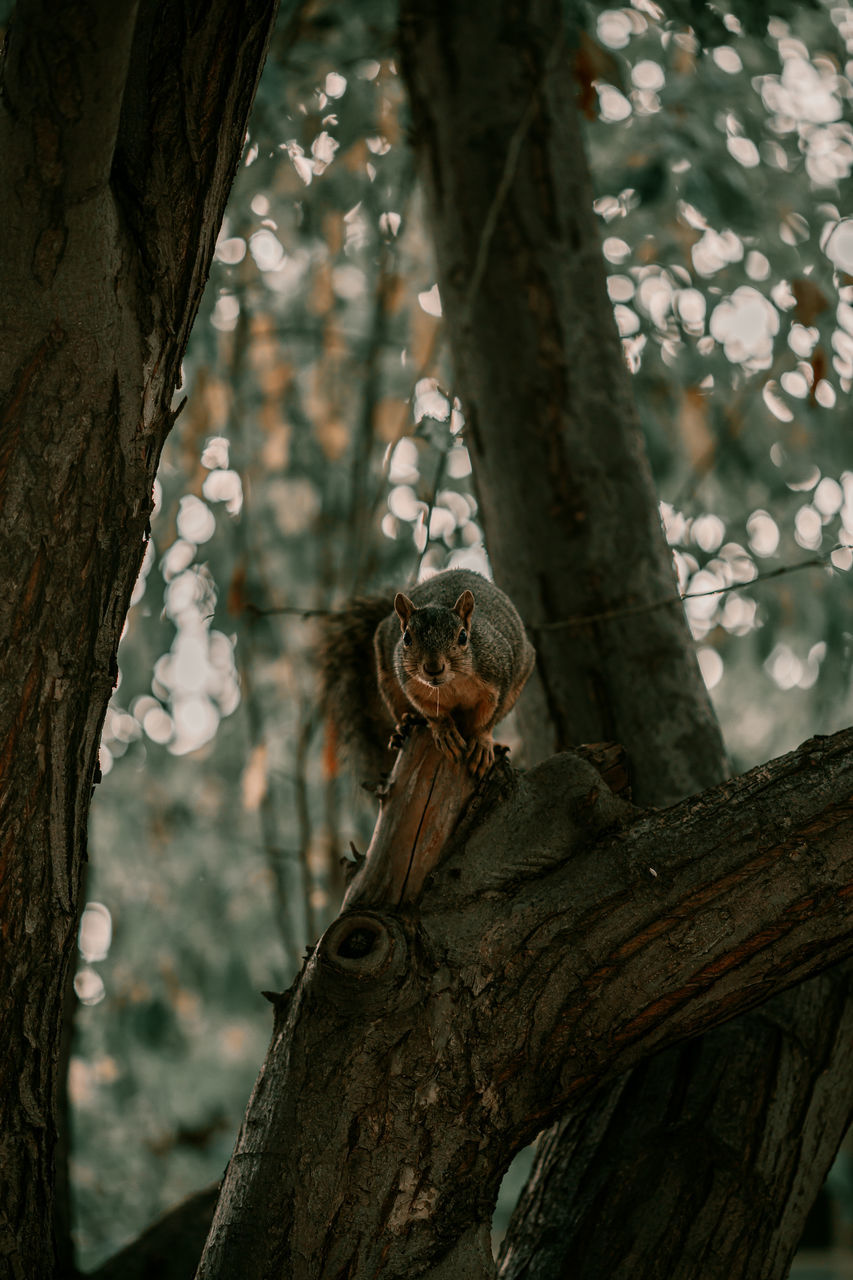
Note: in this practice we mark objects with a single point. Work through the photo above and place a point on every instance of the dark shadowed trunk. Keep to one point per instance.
(767, 1129)
(573, 533)
(120, 131)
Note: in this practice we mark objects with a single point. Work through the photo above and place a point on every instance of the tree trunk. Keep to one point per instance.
(120, 131)
(572, 529)
(566, 495)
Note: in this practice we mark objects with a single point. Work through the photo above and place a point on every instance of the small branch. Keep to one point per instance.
(816, 562)
(580, 620)
(308, 723)
(246, 655)
(252, 611)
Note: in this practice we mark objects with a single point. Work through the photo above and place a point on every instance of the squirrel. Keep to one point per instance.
(454, 652)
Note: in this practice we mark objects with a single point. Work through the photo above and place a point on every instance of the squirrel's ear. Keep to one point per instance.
(404, 608)
(465, 607)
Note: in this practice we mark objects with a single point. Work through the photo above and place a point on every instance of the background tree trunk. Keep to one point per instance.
(120, 133)
(572, 529)
(566, 495)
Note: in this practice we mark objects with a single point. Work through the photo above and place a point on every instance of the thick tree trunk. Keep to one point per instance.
(563, 938)
(120, 134)
(572, 530)
(566, 495)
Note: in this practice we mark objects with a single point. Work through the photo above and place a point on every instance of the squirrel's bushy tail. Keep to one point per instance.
(353, 706)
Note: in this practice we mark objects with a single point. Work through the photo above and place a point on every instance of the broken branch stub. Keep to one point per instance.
(419, 808)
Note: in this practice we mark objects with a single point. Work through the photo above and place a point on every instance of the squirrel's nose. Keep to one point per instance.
(434, 666)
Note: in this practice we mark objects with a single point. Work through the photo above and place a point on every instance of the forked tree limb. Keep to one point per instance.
(419, 807)
(563, 937)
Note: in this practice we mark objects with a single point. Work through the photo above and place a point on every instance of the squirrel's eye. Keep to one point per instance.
(462, 638)
(407, 638)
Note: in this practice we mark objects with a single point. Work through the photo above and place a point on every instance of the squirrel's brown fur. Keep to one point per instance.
(455, 652)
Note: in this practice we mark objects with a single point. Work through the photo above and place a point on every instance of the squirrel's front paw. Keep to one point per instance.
(411, 720)
(481, 755)
(449, 740)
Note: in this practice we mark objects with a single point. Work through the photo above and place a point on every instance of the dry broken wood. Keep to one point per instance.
(419, 806)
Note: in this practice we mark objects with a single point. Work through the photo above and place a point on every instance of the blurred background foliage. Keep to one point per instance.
(321, 452)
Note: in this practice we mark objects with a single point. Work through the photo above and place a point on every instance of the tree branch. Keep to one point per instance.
(170, 1248)
(565, 937)
(568, 1221)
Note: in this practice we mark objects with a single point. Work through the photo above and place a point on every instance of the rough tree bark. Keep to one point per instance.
(562, 937)
(572, 530)
(121, 126)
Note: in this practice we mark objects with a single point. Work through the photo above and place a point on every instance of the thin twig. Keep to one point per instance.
(308, 723)
(817, 562)
(579, 620)
(255, 612)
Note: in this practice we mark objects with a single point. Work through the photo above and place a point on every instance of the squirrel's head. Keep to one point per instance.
(435, 644)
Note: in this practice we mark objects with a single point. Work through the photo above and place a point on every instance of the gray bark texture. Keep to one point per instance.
(572, 529)
(562, 937)
(121, 126)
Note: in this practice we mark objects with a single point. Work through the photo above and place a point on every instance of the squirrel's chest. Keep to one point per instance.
(464, 695)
